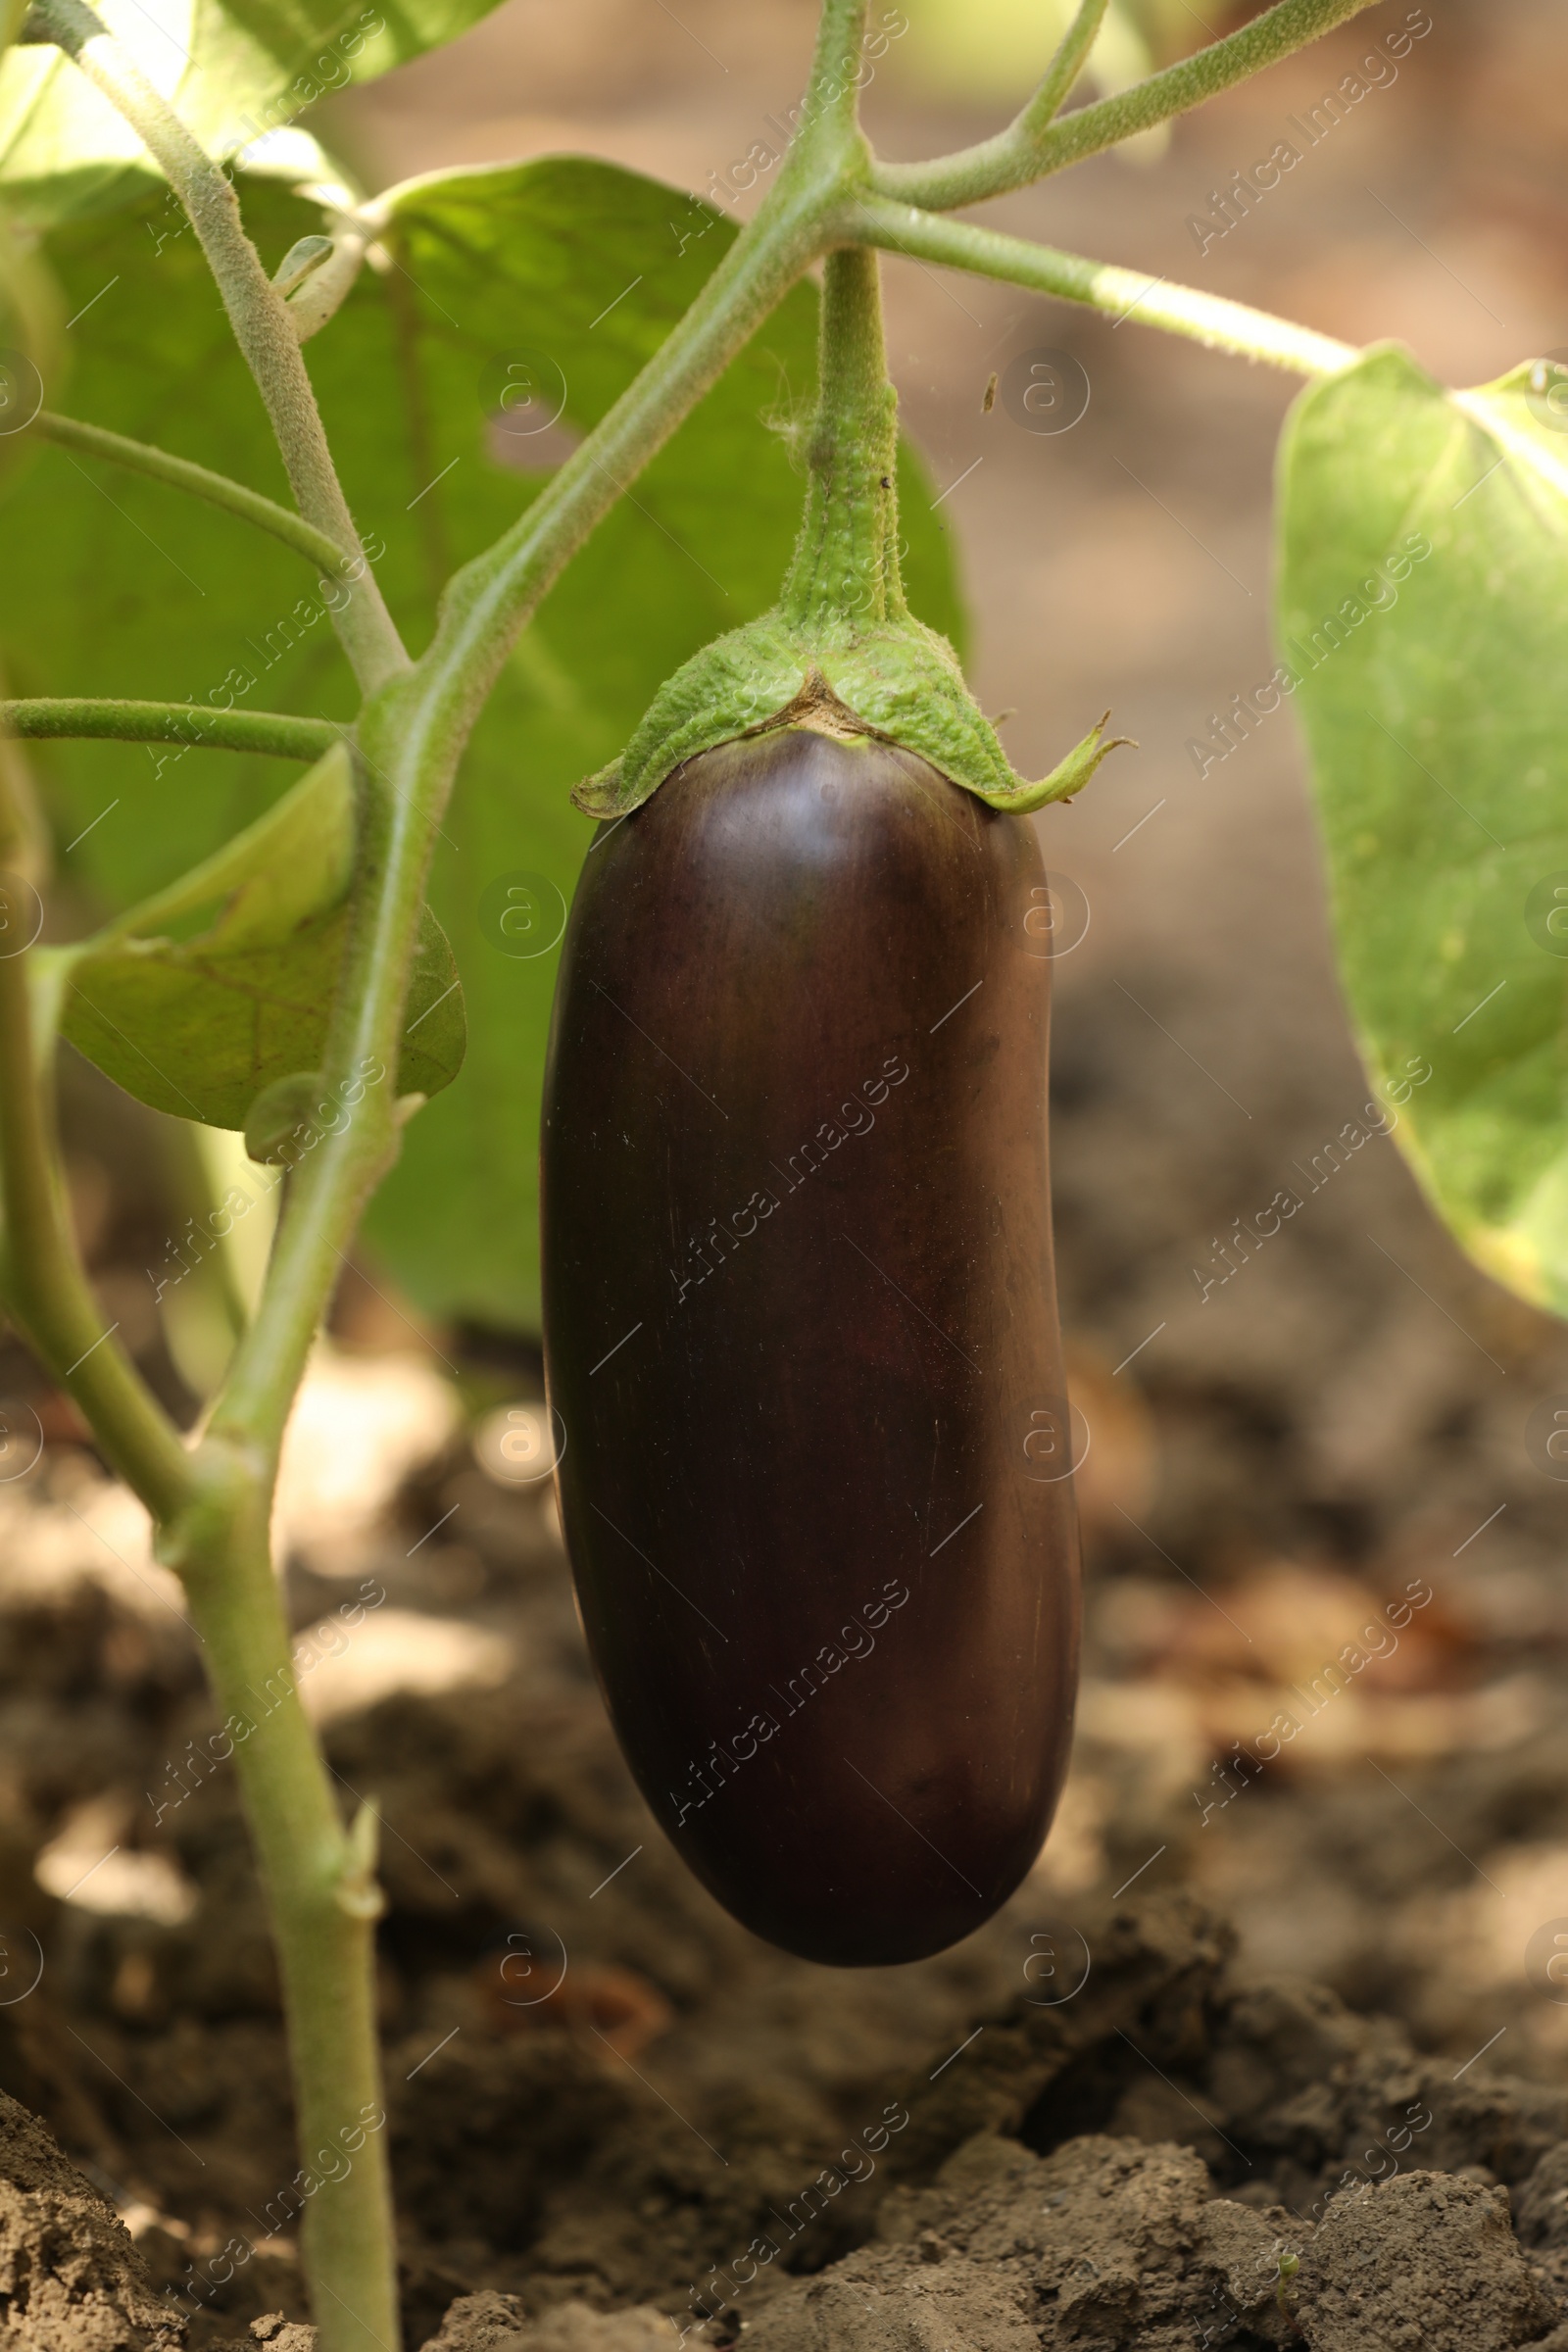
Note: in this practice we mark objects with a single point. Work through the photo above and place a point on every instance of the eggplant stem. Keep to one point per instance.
(845, 563)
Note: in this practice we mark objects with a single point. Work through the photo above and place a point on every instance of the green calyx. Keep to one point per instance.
(840, 652)
(895, 680)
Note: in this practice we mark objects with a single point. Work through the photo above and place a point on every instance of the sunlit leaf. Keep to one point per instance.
(1436, 704)
(233, 73)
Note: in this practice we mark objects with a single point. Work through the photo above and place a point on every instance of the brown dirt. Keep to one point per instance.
(70, 2280)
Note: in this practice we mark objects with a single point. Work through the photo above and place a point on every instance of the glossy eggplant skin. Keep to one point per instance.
(801, 1341)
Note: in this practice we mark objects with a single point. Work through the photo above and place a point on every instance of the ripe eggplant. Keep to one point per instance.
(800, 1335)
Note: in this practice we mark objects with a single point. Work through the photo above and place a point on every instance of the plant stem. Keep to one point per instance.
(832, 91)
(846, 556)
(413, 731)
(1028, 149)
(319, 1883)
(258, 314)
(277, 733)
(95, 441)
(45, 1288)
(324, 1904)
(1072, 55)
(1206, 319)
(328, 1194)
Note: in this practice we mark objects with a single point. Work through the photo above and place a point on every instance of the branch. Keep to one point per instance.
(1030, 147)
(96, 441)
(1072, 54)
(258, 314)
(277, 734)
(1206, 319)
(412, 733)
(45, 1286)
(42, 1281)
(832, 93)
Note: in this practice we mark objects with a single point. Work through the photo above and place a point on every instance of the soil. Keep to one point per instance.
(1154, 2151)
(1268, 2050)
(606, 2098)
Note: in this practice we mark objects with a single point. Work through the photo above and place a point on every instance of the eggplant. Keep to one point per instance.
(800, 1336)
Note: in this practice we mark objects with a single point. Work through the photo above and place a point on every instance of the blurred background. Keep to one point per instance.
(1278, 1447)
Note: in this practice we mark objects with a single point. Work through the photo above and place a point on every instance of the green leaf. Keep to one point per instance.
(222, 985)
(113, 584)
(570, 272)
(234, 72)
(1432, 693)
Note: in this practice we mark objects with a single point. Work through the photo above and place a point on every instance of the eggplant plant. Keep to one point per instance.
(796, 1279)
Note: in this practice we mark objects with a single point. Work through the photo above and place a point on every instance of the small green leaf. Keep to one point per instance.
(1422, 579)
(211, 992)
(305, 256)
(277, 1113)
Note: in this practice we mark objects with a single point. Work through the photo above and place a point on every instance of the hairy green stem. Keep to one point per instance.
(258, 314)
(45, 1288)
(832, 106)
(42, 1281)
(1056, 88)
(328, 1191)
(1124, 294)
(211, 1510)
(320, 1884)
(846, 556)
(1028, 149)
(277, 733)
(181, 474)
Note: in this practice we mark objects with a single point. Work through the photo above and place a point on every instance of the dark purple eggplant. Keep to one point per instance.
(801, 1333)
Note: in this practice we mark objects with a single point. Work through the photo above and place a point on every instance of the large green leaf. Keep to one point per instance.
(570, 272)
(1435, 700)
(211, 992)
(235, 69)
